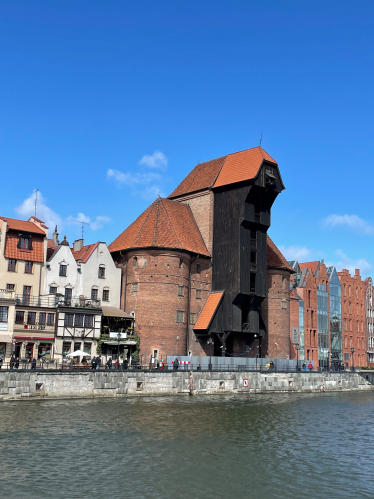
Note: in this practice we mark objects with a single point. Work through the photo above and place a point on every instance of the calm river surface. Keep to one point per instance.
(259, 446)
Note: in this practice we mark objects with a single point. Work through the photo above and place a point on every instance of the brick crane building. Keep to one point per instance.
(199, 264)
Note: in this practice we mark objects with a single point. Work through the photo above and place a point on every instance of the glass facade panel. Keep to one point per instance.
(335, 318)
(323, 326)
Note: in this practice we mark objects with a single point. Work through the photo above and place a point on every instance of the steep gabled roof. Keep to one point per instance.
(84, 253)
(274, 257)
(207, 313)
(22, 226)
(165, 224)
(309, 265)
(236, 167)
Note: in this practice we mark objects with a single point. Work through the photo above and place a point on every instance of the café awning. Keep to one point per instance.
(115, 312)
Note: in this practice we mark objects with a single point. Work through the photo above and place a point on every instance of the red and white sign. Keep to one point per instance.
(245, 383)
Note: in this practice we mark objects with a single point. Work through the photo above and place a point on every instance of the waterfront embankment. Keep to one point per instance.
(55, 384)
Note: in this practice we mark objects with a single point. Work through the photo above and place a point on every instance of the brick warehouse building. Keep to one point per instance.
(200, 265)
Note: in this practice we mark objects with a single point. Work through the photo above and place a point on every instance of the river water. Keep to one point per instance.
(257, 446)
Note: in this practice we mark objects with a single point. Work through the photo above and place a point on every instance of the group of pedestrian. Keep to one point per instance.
(14, 362)
(305, 367)
(95, 363)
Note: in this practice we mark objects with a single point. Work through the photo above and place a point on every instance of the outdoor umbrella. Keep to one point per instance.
(79, 353)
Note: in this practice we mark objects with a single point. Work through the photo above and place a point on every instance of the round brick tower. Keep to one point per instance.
(162, 256)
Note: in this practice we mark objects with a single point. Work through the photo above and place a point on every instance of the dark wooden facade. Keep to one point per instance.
(241, 220)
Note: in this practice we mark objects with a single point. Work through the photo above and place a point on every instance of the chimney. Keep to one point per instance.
(357, 272)
(78, 244)
(56, 242)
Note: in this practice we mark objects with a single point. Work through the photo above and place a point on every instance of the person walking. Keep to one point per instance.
(310, 366)
(11, 362)
(16, 364)
(98, 362)
(109, 363)
(176, 364)
(304, 366)
(162, 365)
(33, 363)
(1, 362)
(93, 363)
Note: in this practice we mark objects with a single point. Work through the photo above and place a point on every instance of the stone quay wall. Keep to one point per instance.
(22, 385)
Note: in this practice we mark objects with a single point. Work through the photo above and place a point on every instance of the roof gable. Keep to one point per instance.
(274, 257)
(22, 226)
(230, 169)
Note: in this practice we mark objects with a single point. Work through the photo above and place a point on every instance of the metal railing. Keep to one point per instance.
(36, 301)
(54, 301)
(54, 365)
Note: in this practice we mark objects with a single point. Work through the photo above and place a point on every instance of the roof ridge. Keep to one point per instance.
(170, 222)
(220, 169)
(145, 221)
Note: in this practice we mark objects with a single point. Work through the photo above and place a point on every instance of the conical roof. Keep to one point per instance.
(165, 224)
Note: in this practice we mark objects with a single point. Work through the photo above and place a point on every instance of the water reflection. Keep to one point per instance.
(264, 446)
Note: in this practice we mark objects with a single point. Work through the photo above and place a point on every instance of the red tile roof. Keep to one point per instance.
(274, 257)
(84, 253)
(310, 265)
(236, 167)
(34, 255)
(165, 224)
(207, 314)
(22, 226)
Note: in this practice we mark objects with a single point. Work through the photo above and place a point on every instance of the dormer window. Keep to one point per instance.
(24, 243)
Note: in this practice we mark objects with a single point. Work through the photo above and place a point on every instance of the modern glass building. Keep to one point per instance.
(323, 326)
(335, 317)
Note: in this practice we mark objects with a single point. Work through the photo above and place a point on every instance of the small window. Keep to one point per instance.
(180, 316)
(252, 283)
(69, 319)
(192, 318)
(101, 272)
(105, 294)
(134, 287)
(50, 319)
(78, 322)
(135, 261)
(198, 294)
(12, 265)
(42, 318)
(31, 318)
(253, 257)
(63, 270)
(28, 267)
(94, 294)
(52, 290)
(20, 316)
(350, 308)
(180, 291)
(24, 243)
(181, 263)
(88, 321)
(198, 268)
(10, 287)
(3, 314)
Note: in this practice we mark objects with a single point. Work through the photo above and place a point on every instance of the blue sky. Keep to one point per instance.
(106, 104)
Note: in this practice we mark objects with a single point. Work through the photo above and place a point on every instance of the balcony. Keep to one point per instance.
(36, 301)
(6, 294)
(77, 302)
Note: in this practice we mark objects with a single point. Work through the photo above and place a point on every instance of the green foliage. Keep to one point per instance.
(135, 337)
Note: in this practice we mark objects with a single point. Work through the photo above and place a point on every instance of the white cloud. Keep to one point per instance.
(353, 222)
(43, 212)
(344, 262)
(157, 160)
(149, 181)
(300, 253)
(97, 223)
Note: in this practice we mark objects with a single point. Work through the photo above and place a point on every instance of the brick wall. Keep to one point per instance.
(294, 321)
(275, 310)
(201, 205)
(150, 290)
(353, 318)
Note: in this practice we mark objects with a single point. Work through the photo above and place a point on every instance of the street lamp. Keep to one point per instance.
(297, 347)
(210, 342)
(118, 338)
(353, 364)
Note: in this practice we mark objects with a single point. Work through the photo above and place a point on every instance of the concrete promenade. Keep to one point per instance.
(55, 384)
